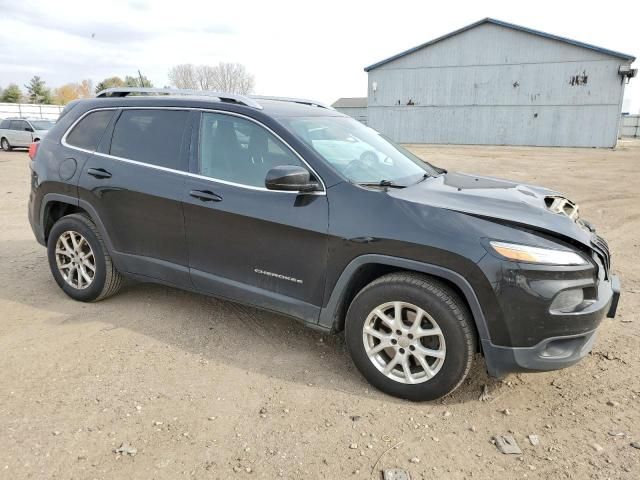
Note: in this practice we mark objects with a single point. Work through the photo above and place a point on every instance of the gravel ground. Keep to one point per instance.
(202, 388)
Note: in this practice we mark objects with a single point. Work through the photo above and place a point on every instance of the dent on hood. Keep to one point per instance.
(528, 205)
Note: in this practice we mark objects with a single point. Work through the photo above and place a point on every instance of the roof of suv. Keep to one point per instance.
(272, 106)
(282, 108)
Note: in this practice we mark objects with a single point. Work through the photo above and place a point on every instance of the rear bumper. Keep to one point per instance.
(555, 352)
(34, 220)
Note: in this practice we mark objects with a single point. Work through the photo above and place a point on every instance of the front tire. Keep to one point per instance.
(410, 336)
(79, 260)
(6, 146)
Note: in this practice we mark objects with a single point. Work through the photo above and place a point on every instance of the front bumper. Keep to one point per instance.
(555, 352)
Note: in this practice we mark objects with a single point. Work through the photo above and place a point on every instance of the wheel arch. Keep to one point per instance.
(366, 268)
(55, 206)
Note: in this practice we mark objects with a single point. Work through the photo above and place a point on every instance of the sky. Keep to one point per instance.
(310, 49)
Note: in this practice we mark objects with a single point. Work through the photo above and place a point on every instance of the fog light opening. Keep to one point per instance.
(567, 300)
(563, 348)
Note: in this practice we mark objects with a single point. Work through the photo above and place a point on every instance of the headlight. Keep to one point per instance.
(525, 253)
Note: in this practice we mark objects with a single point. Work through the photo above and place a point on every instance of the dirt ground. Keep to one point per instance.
(203, 388)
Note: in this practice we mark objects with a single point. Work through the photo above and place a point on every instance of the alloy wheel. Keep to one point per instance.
(75, 260)
(404, 342)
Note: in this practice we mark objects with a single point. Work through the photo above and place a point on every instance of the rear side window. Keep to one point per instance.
(88, 132)
(5, 124)
(150, 136)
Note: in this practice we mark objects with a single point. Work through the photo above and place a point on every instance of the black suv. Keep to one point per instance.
(290, 206)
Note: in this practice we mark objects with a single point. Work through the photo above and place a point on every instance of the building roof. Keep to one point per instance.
(350, 102)
(493, 21)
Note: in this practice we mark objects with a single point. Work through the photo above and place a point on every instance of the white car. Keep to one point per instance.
(22, 132)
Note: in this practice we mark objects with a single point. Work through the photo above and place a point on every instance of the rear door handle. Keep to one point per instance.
(98, 173)
(205, 195)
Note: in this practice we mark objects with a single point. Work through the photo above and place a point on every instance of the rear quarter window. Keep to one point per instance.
(150, 136)
(88, 132)
(5, 124)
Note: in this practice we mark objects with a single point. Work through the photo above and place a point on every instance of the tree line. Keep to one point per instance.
(224, 77)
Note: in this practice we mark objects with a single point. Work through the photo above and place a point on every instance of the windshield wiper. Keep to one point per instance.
(424, 177)
(381, 183)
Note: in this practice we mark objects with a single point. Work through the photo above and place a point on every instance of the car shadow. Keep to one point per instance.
(217, 330)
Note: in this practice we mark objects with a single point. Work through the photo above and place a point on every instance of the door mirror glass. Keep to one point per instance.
(290, 178)
(28, 129)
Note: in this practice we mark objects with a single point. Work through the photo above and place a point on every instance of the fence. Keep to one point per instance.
(50, 112)
(630, 126)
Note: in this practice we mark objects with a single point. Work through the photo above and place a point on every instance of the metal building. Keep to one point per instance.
(496, 83)
(355, 107)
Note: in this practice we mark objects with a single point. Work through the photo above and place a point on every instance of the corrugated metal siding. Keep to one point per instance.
(493, 85)
(359, 114)
(499, 125)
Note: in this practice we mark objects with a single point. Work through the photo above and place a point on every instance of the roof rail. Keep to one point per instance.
(301, 101)
(223, 97)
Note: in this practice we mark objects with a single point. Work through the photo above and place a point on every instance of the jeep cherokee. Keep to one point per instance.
(290, 206)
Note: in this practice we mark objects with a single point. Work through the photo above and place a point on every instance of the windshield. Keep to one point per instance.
(358, 152)
(41, 124)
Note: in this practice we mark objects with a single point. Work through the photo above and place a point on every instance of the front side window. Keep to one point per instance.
(88, 132)
(358, 152)
(18, 125)
(150, 136)
(237, 150)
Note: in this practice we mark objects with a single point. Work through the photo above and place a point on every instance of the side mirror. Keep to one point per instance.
(28, 129)
(290, 178)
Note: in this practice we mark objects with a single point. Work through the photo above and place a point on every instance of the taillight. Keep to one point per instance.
(33, 149)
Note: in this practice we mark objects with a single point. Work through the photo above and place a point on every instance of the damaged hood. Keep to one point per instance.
(531, 206)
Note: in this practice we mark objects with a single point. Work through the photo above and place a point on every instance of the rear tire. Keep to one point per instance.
(79, 260)
(424, 355)
(6, 146)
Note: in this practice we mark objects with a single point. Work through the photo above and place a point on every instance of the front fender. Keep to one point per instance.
(329, 314)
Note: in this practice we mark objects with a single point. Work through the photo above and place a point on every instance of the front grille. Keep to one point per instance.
(601, 247)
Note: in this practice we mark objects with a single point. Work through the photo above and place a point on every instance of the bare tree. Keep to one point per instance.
(205, 77)
(184, 76)
(224, 77)
(85, 89)
(232, 78)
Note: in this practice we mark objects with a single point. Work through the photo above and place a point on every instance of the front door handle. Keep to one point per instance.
(98, 173)
(205, 195)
